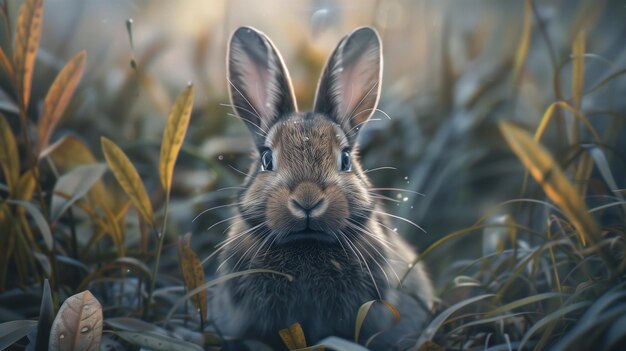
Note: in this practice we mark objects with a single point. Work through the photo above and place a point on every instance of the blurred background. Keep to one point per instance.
(450, 73)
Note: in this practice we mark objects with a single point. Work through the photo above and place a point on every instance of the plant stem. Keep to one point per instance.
(155, 270)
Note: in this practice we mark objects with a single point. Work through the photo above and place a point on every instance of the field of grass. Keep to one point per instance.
(508, 117)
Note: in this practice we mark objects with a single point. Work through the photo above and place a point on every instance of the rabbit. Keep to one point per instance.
(305, 208)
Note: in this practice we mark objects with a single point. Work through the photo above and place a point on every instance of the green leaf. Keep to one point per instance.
(525, 301)
(75, 185)
(13, 331)
(46, 316)
(40, 221)
(58, 97)
(128, 178)
(552, 317)
(174, 134)
(157, 342)
(430, 331)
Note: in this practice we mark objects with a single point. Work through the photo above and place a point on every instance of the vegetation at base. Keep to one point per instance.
(96, 207)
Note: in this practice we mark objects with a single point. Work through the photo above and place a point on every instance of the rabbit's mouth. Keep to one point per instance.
(308, 235)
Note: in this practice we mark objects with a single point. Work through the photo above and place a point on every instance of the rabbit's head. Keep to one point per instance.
(305, 182)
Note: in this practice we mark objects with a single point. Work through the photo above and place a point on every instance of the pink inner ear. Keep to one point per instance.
(254, 79)
(357, 82)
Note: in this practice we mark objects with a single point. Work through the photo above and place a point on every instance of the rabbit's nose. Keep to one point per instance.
(307, 200)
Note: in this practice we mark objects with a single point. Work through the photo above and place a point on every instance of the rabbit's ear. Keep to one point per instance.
(260, 88)
(349, 88)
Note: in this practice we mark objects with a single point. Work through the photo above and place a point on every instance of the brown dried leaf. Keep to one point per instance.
(58, 97)
(128, 178)
(193, 274)
(27, 36)
(78, 325)
(174, 134)
(9, 160)
(7, 66)
(293, 337)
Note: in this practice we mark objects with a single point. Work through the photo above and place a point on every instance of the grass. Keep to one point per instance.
(523, 173)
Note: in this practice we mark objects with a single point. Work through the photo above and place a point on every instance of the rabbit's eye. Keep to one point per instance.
(267, 160)
(345, 162)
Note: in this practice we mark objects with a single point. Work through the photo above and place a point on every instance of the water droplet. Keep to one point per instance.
(62, 336)
(220, 157)
(399, 196)
(267, 104)
(395, 229)
(84, 330)
(127, 270)
(406, 178)
(306, 138)
(410, 265)
(405, 199)
(411, 206)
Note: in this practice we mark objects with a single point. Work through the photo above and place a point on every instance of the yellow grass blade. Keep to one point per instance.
(193, 274)
(27, 36)
(578, 77)
(58, 97)
(555, 184)
(293, 337)
(173, 136)
(128, 178)
(524, 43)
(9, 158)
(6, 64)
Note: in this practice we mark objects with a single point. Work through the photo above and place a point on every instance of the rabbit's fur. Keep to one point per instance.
(306, 208)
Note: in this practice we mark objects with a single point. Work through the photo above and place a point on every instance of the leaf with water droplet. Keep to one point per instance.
(78, 325)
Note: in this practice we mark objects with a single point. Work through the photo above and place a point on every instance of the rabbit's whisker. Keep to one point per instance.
(378, 169)
(400, 218)
(215, 208)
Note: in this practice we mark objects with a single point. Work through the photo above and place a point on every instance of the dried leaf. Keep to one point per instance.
(127, 176)
(78, 325)
(551, 178)
(6, 64)
(28, 33)
(74, 184)
(25, 186)
(9, 158)
(524, 43)
(58, 97)
(578, 69)
(293, 337)
(193, 274)
(364, 310)
(157, 342)
(174, 134)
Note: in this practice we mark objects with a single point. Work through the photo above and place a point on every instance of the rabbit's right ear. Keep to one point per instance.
(260, 87)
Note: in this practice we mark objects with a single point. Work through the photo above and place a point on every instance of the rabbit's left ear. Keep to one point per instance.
(349, 88)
